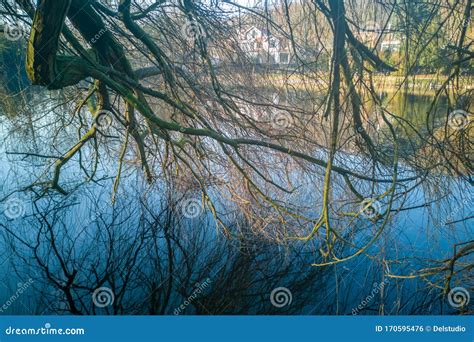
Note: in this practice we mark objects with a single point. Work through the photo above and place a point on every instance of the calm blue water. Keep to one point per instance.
(128, 245)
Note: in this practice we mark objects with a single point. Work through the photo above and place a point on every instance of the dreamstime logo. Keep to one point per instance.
(458, 297)
(191, 208)
(193, 30)
(20, 289)
(466, 22)
(198, 289)
(103, 297)
(103, 119)
(457, 210)
(282, 120)
(14, 208)
(97, 36)
(14, 31)
(280, 297)
(459, 119)
(375, 290)
(370, 208)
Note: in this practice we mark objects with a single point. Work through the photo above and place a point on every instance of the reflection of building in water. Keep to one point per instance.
(264, 47)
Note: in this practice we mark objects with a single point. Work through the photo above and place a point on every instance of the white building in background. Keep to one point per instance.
(375, 33)
(393, 45)
(263, 47)
(391, 40)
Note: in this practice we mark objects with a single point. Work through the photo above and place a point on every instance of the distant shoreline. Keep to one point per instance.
(417, 84)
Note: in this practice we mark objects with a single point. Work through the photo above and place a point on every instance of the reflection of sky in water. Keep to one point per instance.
(419, 232)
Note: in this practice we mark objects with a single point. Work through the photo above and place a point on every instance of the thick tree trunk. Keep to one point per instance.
(43, 65)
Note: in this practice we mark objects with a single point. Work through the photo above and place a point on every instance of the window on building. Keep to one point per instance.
(284, 58)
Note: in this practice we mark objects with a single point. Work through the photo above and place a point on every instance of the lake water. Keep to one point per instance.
(155, 259)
